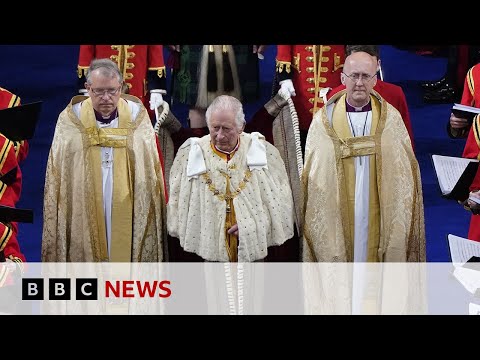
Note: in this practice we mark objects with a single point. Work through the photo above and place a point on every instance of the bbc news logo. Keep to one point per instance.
(59, 289)
(87, 289)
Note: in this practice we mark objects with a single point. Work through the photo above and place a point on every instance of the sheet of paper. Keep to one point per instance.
(449, 169)
(462, 249)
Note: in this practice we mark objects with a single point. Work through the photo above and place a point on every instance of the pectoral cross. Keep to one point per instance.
(230, 240)
(228, 195)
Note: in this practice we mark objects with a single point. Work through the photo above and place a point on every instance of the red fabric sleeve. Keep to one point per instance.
(467, 96)
(284, 53)
(471, 147)
(86, 55)
(13, 248)
(155, 57)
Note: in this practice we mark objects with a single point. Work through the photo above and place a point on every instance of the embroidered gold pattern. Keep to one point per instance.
(337, 62)
(161, 72)
(296, 62)
(283, 65)
(228, 196)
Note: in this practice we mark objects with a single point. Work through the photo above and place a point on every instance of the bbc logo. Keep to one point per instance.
(59, 289)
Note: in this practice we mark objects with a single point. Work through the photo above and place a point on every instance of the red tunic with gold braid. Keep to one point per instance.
(472, 151)
(471, 97)
(471, 93)
(8, 231)
(142, 66)
(8, 100)
(311, 68)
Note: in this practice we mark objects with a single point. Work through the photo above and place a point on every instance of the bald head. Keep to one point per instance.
(359, 77)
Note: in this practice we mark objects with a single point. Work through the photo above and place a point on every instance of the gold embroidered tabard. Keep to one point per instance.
(122, 202)
(349, 148)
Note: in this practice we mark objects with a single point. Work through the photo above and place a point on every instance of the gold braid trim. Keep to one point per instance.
(81, 71)
(283, 65)
(14, 101)
(5, 236)
(476, 131)
(4, 152)
(3, 187)
(471, 82)
(161, 71)
(232, 195)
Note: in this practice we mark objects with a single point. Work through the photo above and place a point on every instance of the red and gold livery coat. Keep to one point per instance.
(471, 97)
(142, 66)
(8, 100)
(8, 231)
(311, 68)
(472, 150)
(471, 91)
(11, 153)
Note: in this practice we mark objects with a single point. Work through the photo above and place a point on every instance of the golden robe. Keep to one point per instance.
(73, 216)
(262, 202)
(328, 221)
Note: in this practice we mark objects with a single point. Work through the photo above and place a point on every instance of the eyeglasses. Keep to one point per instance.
(109, 92)
(355, 77)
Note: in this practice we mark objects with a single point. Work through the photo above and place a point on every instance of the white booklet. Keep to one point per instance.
(455, 175)
(467, 273)
(465, 111)
(462, 249)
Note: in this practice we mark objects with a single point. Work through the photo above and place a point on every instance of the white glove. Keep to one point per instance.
(10, 265)
(156, 100)
(286, 89)
(83, 92)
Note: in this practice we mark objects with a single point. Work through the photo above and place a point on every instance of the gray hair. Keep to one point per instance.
(106, 67)
(226, 102)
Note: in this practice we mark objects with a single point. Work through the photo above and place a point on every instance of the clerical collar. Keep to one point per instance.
(227, 155)
(108, 119)
(366, 107)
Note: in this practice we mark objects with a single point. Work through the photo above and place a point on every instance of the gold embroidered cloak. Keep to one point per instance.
(73, 210)
(328, 222)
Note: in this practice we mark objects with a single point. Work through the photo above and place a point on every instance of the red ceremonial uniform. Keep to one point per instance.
(11, 153)
(8, 100)
(311, 68)
(471, 97)
(8, 231)
(394, 95)
(142, 66)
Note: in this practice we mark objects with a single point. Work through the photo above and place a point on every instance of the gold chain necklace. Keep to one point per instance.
(231, 195)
